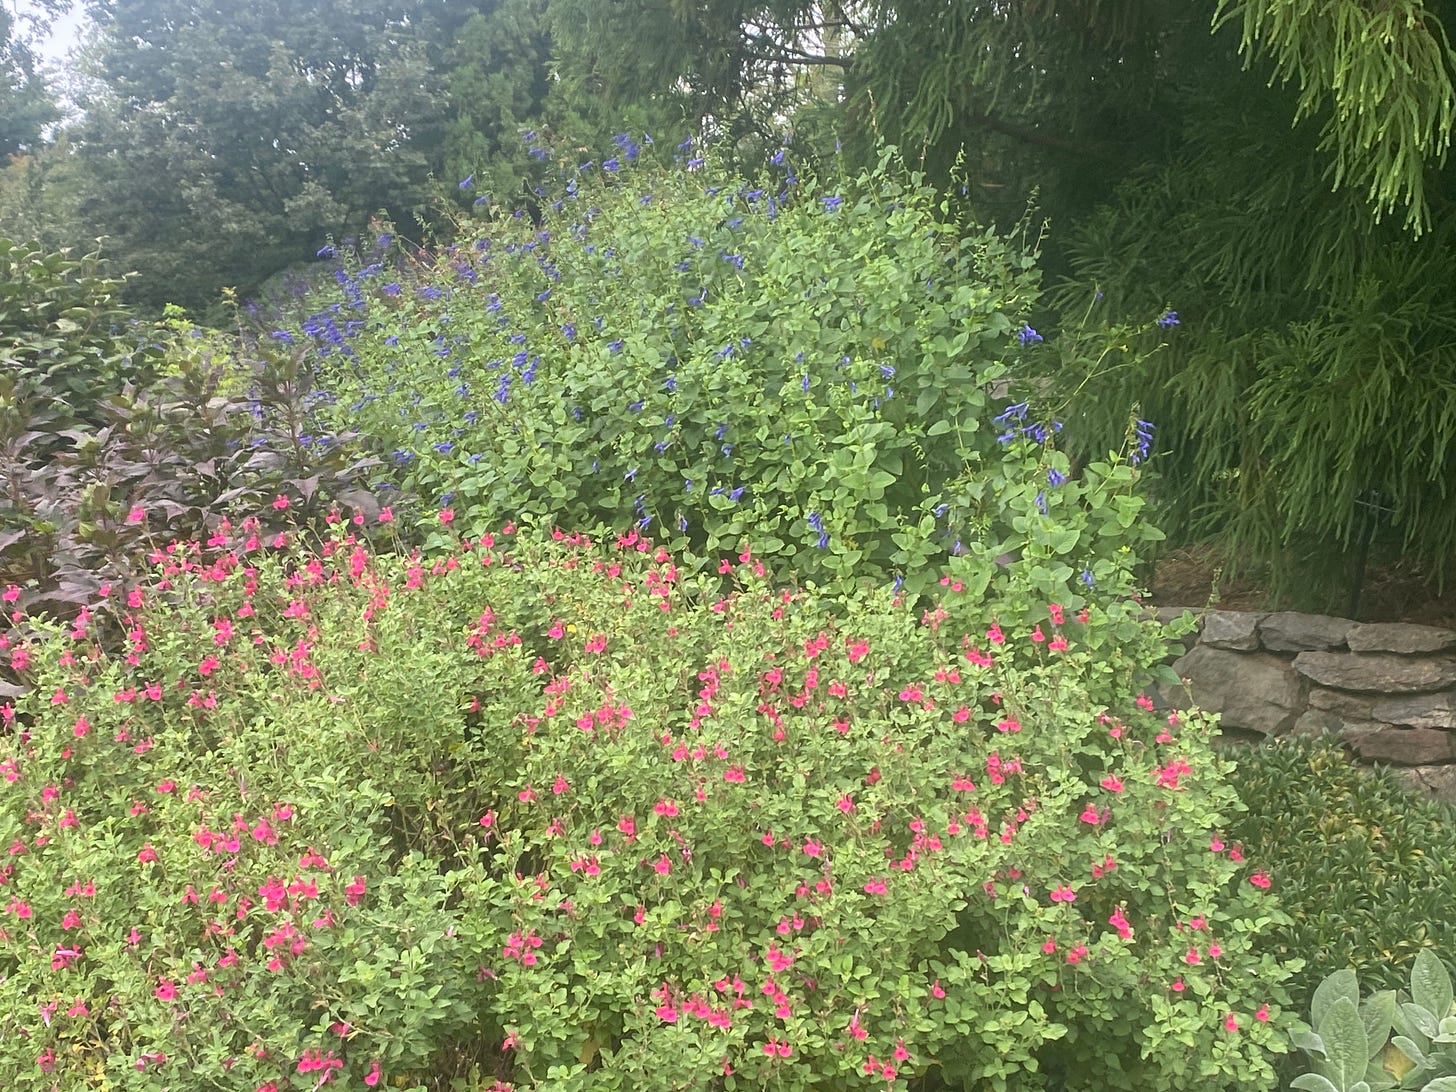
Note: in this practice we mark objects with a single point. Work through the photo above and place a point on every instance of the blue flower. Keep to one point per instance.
(1087, 577)
(614, 346)
(1016, 410)
(777, 158)
(538, 154)
(1028, 336)
(443, 447)
(611, 164)
(327, 251)
(1041, 504)
(467, 182)
(735, 495)
(1055, 477)
(832, 203)
(1168, 318)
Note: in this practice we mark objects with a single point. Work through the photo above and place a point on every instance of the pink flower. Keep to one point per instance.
(386, 515)
(354, 891)
(1144, 702)
(138, 514)
(373, 1078)
(447, 516)
(280, 502)
(1260, 879)
(1112, 783)
(1230, 1024)
(662, 865)
(1262, 1015)
(1063, 894)
(166, 991)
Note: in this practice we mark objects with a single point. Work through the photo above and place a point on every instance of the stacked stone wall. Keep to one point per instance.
(1387, 689)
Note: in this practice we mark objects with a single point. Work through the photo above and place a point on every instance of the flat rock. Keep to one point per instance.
(1347, 706)
(1432, 782)
(1235, 629)
(1289, 631)
(1398, 637)
(1376, 672)
(1404, 746)
(1252, 691)
(1424, 711)
(1321, 722)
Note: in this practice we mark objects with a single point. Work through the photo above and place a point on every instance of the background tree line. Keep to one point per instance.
(1275, 171)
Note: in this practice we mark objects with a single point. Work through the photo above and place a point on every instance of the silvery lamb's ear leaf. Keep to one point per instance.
(1431, 984)
(1342, 983)
(1347, 1048)
(1378, 1013)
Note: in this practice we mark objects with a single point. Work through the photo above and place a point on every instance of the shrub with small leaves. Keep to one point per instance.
(560, 816)
(814, 368)
(1363, 866)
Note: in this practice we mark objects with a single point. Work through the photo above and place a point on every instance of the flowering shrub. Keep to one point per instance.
(562, 816)
(808, 366)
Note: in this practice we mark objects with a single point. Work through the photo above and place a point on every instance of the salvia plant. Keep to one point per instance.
(825, 370)
(525, 812)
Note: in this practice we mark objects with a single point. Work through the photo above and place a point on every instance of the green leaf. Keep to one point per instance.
(1313, 1082)
(1431, 984)
(1378, 1013)
(1342, 983)
(1347, 1049)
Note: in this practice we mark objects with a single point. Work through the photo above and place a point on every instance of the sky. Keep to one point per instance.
(63, 34)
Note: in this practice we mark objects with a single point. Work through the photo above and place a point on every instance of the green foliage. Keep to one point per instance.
(1314, 815)
(801, 367)
(569, 817)
(26, 106)
(1379, 80)
(61, 329)
(1382, 1042)
(1306, 398)
(223, 141)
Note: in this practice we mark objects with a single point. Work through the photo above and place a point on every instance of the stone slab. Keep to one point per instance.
(1376, 672)
(1398, 637)
(1342, 704)
(1423, 711)
(1289, 631)
(1249, 690)
(1432, 782)
(1235, 629)
(1404, 746)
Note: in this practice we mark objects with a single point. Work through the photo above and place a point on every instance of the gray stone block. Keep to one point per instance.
(1288, 631)
(1249, 690)
(1376, 672)
(1398, 637)
(1235, 629)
